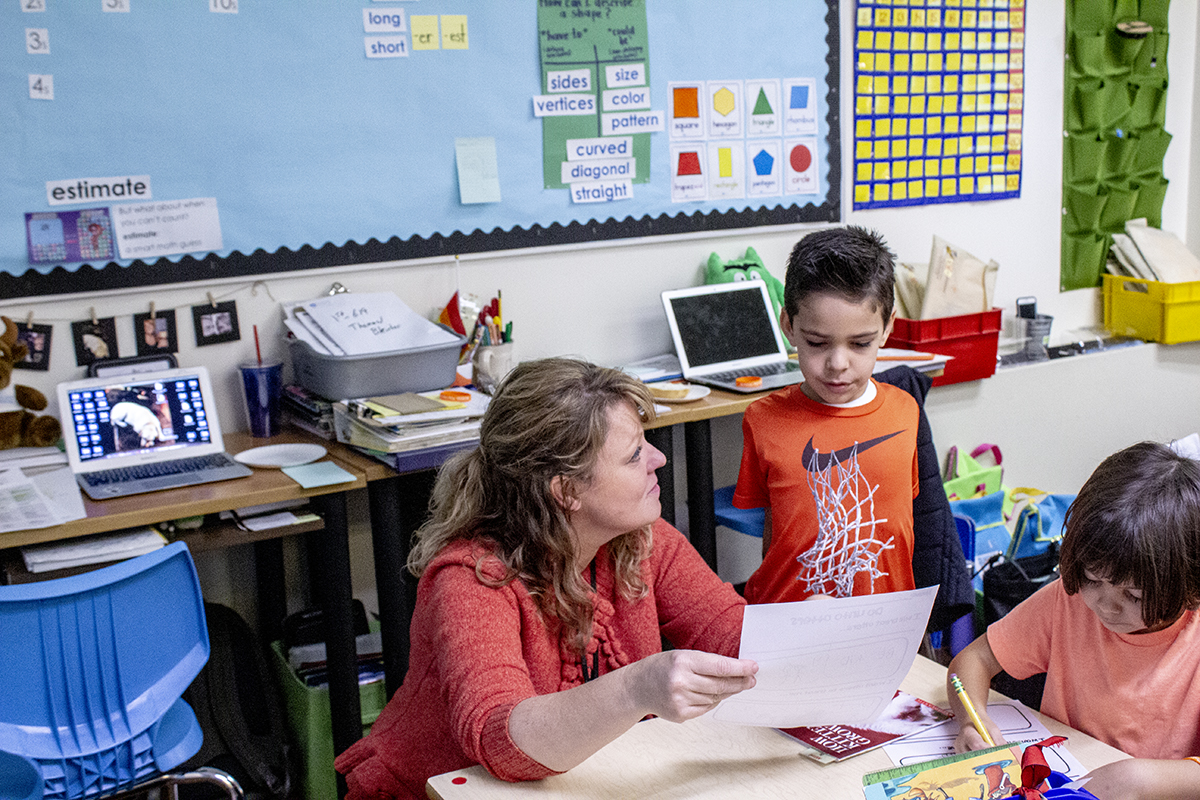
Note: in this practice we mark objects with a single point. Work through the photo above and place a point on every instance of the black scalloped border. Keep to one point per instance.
(259, 263)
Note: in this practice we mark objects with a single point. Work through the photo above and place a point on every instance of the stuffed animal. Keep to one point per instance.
(20, 427)
(745, 269)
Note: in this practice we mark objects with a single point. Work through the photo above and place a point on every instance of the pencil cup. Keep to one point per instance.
(262, 386)
(491, 363)
(1037, 332)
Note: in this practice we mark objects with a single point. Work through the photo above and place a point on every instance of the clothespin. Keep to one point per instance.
(211, 300)
(94, 320)
(151, 309)
(360, 409)
(29, 320)
(337, 288)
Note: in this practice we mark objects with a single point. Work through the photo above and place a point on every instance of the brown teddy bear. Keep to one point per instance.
(20, 427)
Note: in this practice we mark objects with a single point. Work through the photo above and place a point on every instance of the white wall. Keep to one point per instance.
(602, 301)
(1193, 195)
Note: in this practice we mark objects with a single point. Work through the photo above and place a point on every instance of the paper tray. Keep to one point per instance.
(419, 369)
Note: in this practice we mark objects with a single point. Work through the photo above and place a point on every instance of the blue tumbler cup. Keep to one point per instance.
(263, 385)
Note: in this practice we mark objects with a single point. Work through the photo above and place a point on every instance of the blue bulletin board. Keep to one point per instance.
(311, 134)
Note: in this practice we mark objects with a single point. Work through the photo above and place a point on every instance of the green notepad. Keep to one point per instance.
(320, 473)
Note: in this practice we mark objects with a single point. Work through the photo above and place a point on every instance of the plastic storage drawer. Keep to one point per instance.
(419, 369)
(971, 338)
(308, 720)
(1150, 310)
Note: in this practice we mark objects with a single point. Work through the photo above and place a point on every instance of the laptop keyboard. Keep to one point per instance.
(778, 368)
(142, 471)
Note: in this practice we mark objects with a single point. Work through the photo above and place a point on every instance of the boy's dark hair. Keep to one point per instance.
(1137, 520)
(853, 262)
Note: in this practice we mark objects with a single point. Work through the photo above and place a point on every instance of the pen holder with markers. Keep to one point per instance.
(490, 363)
(493, 354)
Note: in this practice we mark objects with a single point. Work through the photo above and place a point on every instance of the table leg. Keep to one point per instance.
(272, 588)
(329, 574)
(390, 545)
(662, 439)
(702, 520)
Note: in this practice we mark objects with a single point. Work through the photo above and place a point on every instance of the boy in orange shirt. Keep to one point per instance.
(833, 460)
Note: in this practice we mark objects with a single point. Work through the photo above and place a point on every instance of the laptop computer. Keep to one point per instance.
(129, 434)
(725, 330)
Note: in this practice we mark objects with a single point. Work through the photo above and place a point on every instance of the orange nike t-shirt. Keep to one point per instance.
(839, 483)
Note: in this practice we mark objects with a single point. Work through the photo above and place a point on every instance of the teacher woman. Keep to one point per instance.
(547, 582)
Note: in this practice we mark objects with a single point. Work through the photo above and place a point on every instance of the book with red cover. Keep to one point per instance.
(904, 716)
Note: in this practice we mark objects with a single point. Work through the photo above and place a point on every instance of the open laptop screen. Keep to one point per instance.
(724, 326)
(134, 415)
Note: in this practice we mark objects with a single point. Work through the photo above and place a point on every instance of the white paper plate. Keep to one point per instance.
(694, 393)
(276, 456)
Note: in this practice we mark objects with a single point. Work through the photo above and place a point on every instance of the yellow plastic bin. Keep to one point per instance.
(309, 724)
(1151, 310)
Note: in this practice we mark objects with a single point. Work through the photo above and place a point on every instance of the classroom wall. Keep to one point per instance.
(1193, 195)
(602, 302)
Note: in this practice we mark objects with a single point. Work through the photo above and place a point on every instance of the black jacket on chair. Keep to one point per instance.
(937, 552)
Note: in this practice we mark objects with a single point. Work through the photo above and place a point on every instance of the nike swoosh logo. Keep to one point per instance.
(821, 461)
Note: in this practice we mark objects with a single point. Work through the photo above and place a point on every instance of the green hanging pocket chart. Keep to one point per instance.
(1114, 108)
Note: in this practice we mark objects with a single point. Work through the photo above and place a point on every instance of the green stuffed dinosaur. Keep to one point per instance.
(745, 269)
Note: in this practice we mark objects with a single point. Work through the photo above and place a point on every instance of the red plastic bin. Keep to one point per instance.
(971, 338)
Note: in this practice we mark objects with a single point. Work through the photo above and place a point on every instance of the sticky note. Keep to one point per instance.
(424, 31)
(478, 175)
(454, 32)
(320, 473)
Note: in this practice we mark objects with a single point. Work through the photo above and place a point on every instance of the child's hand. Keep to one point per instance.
(969, 739)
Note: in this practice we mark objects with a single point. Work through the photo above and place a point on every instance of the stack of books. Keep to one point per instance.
(405, 430)
(307, 411)
(40, 562)
(308, 661)
(33, 460)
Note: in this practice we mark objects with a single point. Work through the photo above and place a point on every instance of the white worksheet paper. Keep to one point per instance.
(827, 661)
(374, 323)
(43, 501)
(1017, 724)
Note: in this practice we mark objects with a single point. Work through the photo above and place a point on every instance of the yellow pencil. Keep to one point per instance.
(966, 701)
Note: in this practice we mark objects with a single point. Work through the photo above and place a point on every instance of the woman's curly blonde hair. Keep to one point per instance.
(549, 419)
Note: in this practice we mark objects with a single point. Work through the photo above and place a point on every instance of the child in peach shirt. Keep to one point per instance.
(1118, 636)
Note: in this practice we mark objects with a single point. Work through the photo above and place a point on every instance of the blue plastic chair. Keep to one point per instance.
(93, 669)
(744, 520)
(962, 630)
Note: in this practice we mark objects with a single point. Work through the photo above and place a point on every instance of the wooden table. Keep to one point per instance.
(705, 759)
(327, 545)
